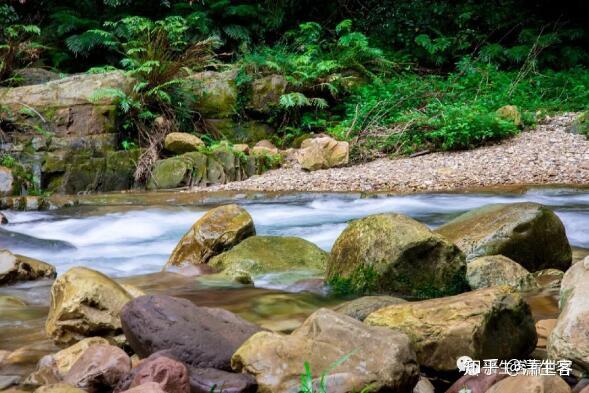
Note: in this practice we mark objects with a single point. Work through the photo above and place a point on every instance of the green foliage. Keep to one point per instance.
(411, 113)
(18, 47)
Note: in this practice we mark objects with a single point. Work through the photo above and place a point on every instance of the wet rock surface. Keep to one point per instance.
(201, 337)
(14, 268)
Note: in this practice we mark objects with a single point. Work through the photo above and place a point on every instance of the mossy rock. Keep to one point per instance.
(120, 170)
(217, 93)
(394, 254)
(169, 173)
(240, 132)
(258, 255)
(528, 233)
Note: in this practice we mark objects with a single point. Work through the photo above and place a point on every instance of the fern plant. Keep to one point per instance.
(18, 47)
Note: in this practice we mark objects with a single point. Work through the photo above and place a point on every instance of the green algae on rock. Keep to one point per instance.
(394, 254)
(266, 254)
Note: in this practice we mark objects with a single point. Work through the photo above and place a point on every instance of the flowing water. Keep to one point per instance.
(132, 242)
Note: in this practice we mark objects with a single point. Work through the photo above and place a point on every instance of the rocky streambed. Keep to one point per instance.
(243, 303)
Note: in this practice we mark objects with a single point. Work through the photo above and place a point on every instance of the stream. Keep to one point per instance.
(131, 242)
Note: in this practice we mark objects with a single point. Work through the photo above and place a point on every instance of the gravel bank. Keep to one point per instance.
(545, 155)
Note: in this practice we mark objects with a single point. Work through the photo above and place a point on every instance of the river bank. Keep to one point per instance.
(546, 155)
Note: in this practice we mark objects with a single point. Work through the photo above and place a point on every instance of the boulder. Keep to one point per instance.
(264, 147)
(392, 253)
(217, 93)
(352, 356)
(510, 113)
(59, 388)
(569, 339)
(495, 270)
(170, 173)
(6, 181)
(85, 303)
(207, 380)
(476, 383)
(14, 267)
(492, 323)
(265, 254)
(99, 369)
(198, 336)
(360, 308)
(266, 93)
(528, 233)
(170, 374)
(217, 231)
(531, 384)
(322, 153)
(53, 368)
(182, 142)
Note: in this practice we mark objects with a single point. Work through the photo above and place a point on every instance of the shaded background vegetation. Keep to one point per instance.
(393, 76)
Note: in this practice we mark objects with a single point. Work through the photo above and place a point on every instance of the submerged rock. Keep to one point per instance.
(351, 354)
(362, 307)
(493, 323)
(85, 303)
(14, 268)
(217, 231)
(495, 270)
(182, 142)
(199, 336)
(99, 369)
(322, 153)
(569, 339)
(392, 253)
(264, 254)
(14, 240)
(528, 233)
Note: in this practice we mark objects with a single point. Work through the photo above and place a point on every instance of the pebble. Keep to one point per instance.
(547, 154)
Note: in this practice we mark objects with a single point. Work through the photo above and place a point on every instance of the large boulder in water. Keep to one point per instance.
(265, 254)
(392, 253)
(199, 336)
(569, 339)
(14, 267)
(351, 354)
(217, 231)
(493, 323)
(495, 270)
(85, 303)
(529, 233)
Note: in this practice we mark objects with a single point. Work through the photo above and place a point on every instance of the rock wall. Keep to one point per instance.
(64, 137)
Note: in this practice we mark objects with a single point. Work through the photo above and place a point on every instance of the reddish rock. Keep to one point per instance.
(100, 368)
(170, 374)
(476, 383)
